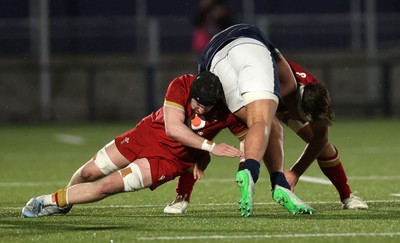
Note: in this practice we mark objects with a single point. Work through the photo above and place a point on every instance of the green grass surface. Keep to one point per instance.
(39, 159)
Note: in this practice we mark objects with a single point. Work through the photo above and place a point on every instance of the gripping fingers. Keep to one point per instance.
(225, 150)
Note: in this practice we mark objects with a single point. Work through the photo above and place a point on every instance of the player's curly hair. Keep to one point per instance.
(317, 102)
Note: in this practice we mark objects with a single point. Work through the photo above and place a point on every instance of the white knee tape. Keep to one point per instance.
(104, 162)
(132, 177)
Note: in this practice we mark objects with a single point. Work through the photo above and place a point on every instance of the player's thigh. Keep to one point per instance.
(106, 161)
(229, 80)
(115, 155)
(132, 177)
(262, 110)
(256, 69)
(144, 167)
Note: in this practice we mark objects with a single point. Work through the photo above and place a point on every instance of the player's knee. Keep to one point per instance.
(132, 178)
(276, 129)
(87, 174)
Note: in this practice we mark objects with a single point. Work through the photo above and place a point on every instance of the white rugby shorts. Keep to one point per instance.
(245, 69)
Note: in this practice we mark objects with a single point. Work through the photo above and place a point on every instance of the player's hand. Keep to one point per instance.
(198, 173)
(223, 149)
(292, 178)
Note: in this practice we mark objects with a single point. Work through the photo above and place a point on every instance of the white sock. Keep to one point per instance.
(47, 200)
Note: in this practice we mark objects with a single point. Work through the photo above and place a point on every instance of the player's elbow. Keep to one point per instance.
(170, 131)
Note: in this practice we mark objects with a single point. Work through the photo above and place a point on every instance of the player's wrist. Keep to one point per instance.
(208, 145)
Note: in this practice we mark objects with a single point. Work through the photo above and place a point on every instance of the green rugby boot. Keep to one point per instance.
(246, 186)
(290, 201)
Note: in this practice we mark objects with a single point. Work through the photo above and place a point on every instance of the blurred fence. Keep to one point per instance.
(118, 88)
(119, 68)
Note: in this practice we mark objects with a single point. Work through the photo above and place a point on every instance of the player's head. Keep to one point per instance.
(316, 104)
(206, 89)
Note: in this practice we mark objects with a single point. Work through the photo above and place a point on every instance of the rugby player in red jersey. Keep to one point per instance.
(309, 114)
(169, 142)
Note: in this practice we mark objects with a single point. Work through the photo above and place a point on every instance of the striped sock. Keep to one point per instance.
(60, 198)
(333, 169)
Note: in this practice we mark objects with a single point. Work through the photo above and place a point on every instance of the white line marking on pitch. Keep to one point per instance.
(31, 184)
(351, 178)
(367, 178)
(322, 235)
(214, 180)
(396, 194)
(70, 139)
(315, 180)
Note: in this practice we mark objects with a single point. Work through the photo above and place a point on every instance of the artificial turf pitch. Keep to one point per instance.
(39, 159)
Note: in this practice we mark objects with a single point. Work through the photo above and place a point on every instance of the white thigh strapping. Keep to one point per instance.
(104, 162)
(244, 66)
(132, 177)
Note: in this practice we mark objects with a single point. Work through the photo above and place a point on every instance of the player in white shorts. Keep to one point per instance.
(247, 65)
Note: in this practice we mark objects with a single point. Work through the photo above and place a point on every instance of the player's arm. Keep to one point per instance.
(176, 129)
(286, 77)
(316, 137)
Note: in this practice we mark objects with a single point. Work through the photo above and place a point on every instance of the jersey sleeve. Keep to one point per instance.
(178, 92)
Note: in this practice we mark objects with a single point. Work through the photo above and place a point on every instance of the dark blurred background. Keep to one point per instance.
(107, 60)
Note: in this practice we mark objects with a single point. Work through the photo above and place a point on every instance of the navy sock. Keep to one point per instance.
(278, 178)
(241, 166)
(253, 166)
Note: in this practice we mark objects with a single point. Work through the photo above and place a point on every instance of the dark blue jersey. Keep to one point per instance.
(228, 35)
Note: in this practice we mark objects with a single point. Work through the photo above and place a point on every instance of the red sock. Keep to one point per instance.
(333, 169)
(185, 185)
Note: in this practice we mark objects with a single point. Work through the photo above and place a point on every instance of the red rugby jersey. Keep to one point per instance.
(302, 75)
(149, 135)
